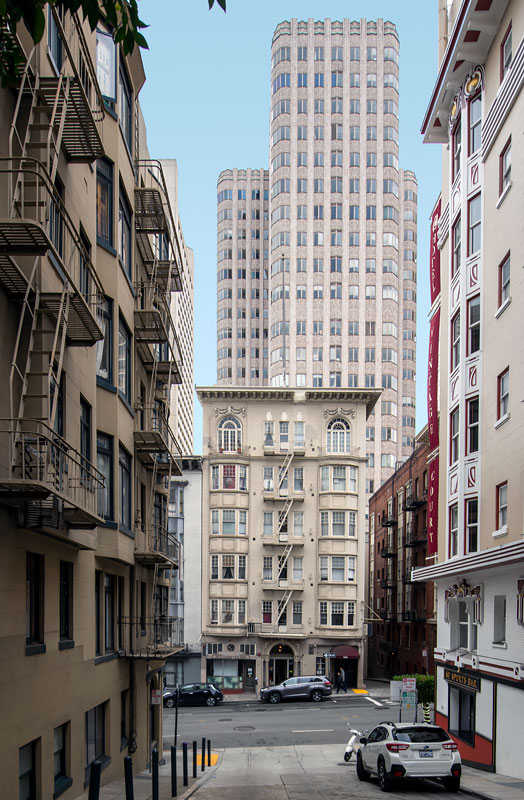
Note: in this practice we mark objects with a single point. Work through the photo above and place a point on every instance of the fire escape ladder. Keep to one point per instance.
(283, 559)
(282, 603)
(24, 346)
(283, 515)
(284, 469)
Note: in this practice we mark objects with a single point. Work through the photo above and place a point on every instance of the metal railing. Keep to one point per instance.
(159, 543)
(42, 462)
(151, 637)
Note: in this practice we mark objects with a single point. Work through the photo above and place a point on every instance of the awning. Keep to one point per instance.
(345, 651)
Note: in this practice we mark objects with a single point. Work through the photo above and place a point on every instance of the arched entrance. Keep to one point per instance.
(346, 657)
(281, 663)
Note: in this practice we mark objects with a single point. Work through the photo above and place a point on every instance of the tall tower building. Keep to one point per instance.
(336, 302)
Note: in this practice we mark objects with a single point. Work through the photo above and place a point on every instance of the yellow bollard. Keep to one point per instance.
(426, 712)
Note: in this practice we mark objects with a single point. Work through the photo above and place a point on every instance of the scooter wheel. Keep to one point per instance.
(347, 757)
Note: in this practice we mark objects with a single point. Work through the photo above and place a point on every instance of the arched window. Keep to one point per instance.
(229, 434)
(338, 436)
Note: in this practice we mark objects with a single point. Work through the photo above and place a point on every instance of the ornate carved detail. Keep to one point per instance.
(218, 412)
(474, 81)
(520, 601)
(349, 412)
(459, 591)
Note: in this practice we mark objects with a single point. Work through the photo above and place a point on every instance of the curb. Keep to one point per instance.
(201, 781)
(475, 793)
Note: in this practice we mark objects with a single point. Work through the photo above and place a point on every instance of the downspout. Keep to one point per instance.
(132, 746)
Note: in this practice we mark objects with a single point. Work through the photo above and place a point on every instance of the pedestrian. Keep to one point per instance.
(341, 681)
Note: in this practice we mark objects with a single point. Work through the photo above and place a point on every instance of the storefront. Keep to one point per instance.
(346, 657)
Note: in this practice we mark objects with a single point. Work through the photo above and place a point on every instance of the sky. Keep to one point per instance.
(206, 103)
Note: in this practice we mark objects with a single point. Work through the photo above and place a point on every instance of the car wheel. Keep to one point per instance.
(316, 695)
(362, 774)
(451, 784)
(170, 702)
(274, 697)
(210, 701)
(383, 781)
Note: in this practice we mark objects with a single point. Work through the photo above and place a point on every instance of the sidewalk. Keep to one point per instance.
(378, 689)
(286, 773)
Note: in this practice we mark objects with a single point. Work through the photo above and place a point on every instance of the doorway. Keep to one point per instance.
(281, 664)
(349, 665)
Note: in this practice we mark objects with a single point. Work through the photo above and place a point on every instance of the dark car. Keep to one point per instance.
(310, 687)
(193, 694)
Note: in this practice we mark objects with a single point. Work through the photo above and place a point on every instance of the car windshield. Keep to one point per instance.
(420, 735)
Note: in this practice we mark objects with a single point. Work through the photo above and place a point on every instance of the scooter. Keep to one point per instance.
(350, 747)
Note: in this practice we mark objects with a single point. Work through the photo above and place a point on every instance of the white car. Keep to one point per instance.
(409, 750)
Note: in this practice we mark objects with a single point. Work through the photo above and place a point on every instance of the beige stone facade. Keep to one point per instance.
(89, 257)
(283, 533)
(319, 273)
(476, 112)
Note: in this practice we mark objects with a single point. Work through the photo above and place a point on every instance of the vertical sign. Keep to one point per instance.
(434, 327)
(434, 255)
(432, 519)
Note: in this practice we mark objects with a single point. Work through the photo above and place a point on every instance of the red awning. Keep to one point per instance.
(345, 651)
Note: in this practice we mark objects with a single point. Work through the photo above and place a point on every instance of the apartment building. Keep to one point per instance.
(317, 276)
(401, 611)
(185, 523)
(475, 111)
(283, 533)
(89, 256)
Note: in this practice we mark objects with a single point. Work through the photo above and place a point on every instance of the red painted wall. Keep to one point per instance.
(480, 753)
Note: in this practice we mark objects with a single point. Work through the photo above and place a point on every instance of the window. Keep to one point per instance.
(66, 601)
(335, 291)
(503, 394)
(229, 434)
(61, 779)
(336, 78)
(499, 619)
(302, 79)
(472, 438)
(506, 53)
(124, 360)
(126, 109)
(505, 167)
(267, 529)
(462, 713)
(267, 611)
(456, 143)
(455, 341)
(338, 436)
(472, 525)
(475, 124)
(54, 40)
(502, 505)
(27, 771)
(372, 80)
(104, 463)
(504, 281)
(318, 79)
(109, 613)
(453, 530)
(95, 736)
(474, 325)
(85, 439)
(456, 237)
(34, 594)
(454, 436)
(124, 234)
(104, 347)
(298, 524)
(104, 201)
(474, 222)
(124, 472)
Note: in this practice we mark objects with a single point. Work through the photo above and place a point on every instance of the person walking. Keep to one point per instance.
(341, 681)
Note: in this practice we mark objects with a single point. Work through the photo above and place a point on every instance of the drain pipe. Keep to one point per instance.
(132, 746)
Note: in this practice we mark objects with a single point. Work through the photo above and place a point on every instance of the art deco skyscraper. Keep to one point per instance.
(335, 242)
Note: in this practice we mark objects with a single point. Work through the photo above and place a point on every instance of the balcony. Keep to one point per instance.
(407, 578)
(388, 583)
(39, 225)
(151, 637)
(388, 550)
(273, 629)
(389, 522)
(155, 444)
(153, 321)
(271, 447)
(415, 537)
(414, 615)
(413, 501)
(156, 546)
(159, 261)
(56, 484)
(71, 98)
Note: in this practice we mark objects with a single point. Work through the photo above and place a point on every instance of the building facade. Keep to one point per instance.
(283, 533)
(185, 523)
(333, 250)
(89, 257)
(401, 611)
(476, 112)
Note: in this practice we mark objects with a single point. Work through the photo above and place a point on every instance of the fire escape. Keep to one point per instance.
(47, 273)
(159, 244)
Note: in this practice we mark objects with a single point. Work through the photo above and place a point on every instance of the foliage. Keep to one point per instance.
(121, 16)
(425, 686)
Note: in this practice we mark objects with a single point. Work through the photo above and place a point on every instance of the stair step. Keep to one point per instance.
(39, 126)
(41, 352)
(32, 374)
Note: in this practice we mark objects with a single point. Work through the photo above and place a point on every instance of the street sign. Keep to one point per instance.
(408, 698)
(329, 655)
(156, 697)
(424, 654)
(409, 684)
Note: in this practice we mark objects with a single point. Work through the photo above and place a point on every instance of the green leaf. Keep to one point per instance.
(141, 40)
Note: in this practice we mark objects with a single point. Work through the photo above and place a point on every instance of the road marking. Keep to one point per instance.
(318, 730)
(380, 705)
(360, 691)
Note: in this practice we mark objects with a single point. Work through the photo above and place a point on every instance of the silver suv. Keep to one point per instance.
(312, 687)
(409, 750)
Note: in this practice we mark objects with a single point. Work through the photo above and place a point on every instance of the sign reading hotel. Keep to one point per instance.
(434, 255)
(464, 681)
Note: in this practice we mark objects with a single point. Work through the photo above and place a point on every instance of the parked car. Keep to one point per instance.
(409, 750)
(193, 694)
(312, 687)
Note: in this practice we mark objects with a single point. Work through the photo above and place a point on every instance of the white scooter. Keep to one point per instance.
(350, 747)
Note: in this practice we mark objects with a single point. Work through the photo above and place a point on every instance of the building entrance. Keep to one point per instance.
(281, 664)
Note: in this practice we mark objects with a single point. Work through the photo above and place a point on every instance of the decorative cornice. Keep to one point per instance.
(492, 557)
(335, 412)
(218, 412)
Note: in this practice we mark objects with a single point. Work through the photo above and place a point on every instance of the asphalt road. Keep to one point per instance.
(234, 725)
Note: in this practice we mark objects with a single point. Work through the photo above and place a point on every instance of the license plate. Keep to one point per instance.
(426, 754)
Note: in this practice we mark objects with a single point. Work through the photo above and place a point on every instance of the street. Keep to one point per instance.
(235, 725)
